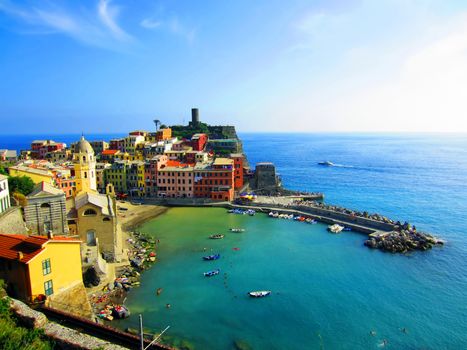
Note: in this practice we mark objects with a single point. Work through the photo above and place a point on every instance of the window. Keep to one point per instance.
(46, 269)
(48, 288)
(89, 212)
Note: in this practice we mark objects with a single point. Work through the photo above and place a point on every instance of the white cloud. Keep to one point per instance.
(108, 15)
(99, 30)
(173, 25)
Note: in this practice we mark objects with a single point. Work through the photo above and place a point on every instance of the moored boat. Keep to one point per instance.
(237, 229)
(212, 257)
(336, 228)
(212, 273)
(259, 293)
(216, 236)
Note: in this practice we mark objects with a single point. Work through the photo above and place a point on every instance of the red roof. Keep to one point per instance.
(109, 152)
(30, 246)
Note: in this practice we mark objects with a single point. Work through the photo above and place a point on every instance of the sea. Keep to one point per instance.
(328, 291)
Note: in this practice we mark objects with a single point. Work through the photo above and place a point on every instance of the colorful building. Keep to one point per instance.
(117, 176)
(84, 163)
(37, 266)
(117, 144)
(175, 180)
(37, 175)
(4, 194)
(215, 180)
(238, 159)
(39, 148)
(46, 210)
(198, 142)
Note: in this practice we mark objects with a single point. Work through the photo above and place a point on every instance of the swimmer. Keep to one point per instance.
(167, 306)
(404, 330)
(372, 333)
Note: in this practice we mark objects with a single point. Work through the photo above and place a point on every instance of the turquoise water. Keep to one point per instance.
(329, 291)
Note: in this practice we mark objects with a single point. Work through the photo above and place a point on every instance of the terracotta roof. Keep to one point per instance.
(109, 152)
(30, 246)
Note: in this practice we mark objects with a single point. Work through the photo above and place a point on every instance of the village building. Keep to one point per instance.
(45, 211)
(4, 194)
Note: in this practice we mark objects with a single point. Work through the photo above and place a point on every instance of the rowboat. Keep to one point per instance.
(237, 230)
(216, 236)
(212, 257)
(212, 273)
(259, 293)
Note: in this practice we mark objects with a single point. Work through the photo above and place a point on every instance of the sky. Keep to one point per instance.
(103, 66)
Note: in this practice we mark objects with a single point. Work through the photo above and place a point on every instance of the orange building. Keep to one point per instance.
(238, 159)
(216, 180)
(164, 134)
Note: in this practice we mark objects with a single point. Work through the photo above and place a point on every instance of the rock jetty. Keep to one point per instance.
(402, 240)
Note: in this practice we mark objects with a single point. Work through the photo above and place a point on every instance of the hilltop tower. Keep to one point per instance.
(194, 117)
(84, 162)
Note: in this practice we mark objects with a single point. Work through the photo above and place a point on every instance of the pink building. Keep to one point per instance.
(175, 180)
(151, 169)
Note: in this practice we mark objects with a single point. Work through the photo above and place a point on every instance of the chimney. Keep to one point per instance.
(20, 256)
(50, 234)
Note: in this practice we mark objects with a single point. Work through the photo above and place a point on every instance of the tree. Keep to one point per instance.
(21, 184)
(3, 170)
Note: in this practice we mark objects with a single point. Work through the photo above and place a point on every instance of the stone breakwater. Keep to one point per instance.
(384, 233)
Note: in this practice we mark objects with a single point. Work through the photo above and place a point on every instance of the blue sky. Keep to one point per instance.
(113, 66)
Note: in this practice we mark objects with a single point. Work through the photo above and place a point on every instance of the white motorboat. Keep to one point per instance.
(336, 228)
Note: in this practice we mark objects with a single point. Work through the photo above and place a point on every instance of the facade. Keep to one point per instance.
(117, 144)
(100, 178)
(46, 210)
(37, 175)
(99, 146)
(34, 266)
(109, 155)
(84, 163)
(215, 180)
(238, 159)
(132, 141)
(59, 156)
(39, 148)
(175, 180)
(198, 142)
(163, 134)
(4, 194)
(135, 179)
(97, 224)
(8, 155)
(117, 176)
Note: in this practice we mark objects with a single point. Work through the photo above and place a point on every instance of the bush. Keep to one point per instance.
(13, 337)
(21, 184)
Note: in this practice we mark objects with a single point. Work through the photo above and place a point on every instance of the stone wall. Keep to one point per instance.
(11, 222)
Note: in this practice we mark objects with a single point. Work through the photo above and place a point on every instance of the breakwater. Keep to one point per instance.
(384, 234)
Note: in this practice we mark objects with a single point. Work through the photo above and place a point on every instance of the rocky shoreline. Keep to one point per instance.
(402, 240)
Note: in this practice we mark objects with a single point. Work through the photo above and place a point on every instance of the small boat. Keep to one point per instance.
(259, 293)
(212, 257)
(326, 163)
(216, 236)
(237, 230)
(336, 228)
(347, 229)
(212, 273)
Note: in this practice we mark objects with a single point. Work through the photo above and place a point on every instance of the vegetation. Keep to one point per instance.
(14, 337)
(20, 184)
(3, 170)
(182, 131)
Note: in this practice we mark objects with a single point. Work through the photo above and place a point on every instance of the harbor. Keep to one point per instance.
(281, 256)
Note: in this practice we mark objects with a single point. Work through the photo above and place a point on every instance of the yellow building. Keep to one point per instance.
(37, 175)
(38, 266)
(84, 163)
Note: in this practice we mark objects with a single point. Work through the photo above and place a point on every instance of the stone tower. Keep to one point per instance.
(85, 167)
